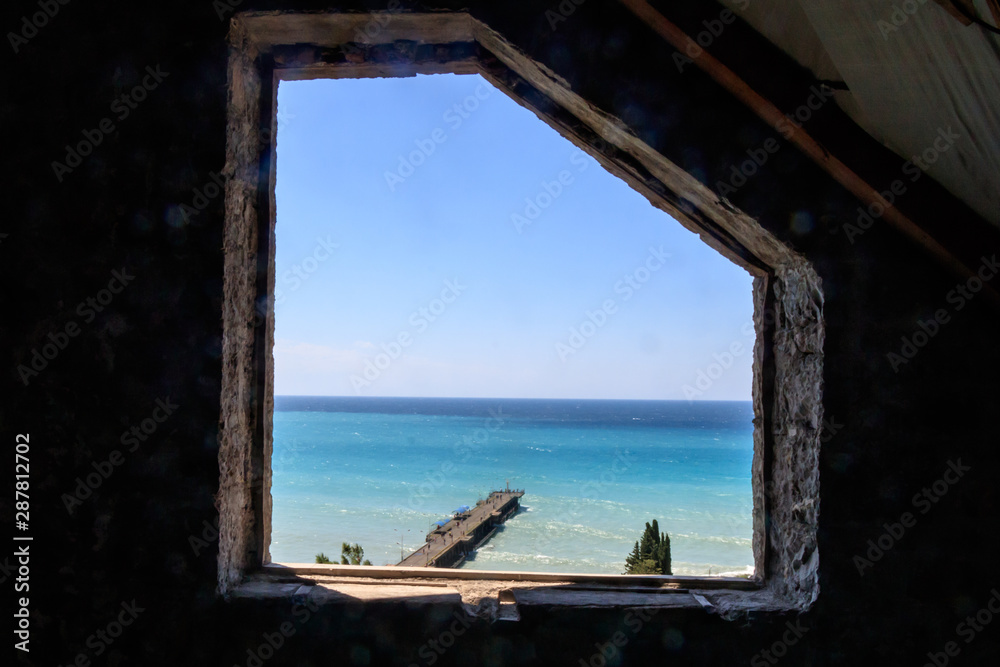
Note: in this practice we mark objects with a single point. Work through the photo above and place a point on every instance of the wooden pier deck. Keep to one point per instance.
(448, 545)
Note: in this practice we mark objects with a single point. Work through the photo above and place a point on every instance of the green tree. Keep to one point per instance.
(322, 559)
(352, 554)
(651, 554)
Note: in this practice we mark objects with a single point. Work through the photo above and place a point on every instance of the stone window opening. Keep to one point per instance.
(268, 47)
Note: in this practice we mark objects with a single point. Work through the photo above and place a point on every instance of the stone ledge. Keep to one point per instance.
(501, 598)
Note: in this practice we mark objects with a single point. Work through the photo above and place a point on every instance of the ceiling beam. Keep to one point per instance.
(773, 116)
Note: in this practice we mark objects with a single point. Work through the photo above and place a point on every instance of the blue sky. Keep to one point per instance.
(434, 238)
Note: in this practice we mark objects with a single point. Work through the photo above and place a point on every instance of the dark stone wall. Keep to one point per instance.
(157, 337)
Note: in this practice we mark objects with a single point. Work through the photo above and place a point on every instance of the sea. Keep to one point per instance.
(380, 472)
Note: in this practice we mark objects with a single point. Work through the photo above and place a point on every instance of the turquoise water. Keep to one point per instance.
(380, 471)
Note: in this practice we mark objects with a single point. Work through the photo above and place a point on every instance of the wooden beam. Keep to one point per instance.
(772, 115)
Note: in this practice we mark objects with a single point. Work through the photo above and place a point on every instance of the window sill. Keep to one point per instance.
(496, 595)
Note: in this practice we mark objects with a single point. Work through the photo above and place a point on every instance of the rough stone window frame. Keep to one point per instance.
(266, 47)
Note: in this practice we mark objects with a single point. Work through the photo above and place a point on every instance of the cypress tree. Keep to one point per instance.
(651, 554)
(633, 559)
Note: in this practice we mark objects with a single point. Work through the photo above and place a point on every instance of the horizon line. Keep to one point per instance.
(524, 398)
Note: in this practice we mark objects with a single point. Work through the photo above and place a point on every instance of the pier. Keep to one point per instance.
(449, 544)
